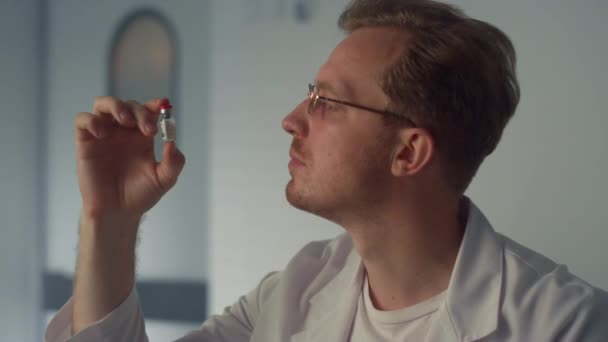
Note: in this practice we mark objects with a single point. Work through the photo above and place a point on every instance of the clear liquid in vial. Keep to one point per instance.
(167, 129)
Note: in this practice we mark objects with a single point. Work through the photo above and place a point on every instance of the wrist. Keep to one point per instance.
(114, 228)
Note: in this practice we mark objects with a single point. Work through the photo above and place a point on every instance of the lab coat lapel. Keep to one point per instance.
(442, 329)
(472, 306)
(333, 308)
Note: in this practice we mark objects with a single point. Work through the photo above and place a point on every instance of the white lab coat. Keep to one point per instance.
(499, 291)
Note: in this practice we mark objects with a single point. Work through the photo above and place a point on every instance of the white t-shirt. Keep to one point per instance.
(407, 324)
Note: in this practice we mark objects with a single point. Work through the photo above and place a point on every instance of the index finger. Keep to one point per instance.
(154, 104)
(109, 105)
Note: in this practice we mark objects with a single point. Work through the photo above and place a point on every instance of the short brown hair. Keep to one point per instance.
(456, 77)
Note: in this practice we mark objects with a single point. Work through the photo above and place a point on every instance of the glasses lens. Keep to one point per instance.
(312, 98)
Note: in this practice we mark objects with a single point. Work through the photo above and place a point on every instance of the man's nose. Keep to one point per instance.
(295, 123)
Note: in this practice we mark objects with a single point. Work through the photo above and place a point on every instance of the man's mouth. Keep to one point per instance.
(296, 161)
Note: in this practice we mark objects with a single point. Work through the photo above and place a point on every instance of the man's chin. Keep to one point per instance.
(296, 198)
(293, 197)
(305, 203)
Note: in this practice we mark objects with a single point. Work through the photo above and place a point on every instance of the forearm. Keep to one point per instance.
(105, 271)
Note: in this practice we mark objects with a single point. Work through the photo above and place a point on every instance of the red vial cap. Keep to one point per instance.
(165, 104)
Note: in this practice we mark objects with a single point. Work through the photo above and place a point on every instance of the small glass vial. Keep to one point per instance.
(167, 122)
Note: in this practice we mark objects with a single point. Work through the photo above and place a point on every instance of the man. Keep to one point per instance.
(396, 125)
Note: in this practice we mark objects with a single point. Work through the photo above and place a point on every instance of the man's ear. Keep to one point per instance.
(414, 151)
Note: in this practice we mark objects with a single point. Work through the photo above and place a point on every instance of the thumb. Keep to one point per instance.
(170, 166)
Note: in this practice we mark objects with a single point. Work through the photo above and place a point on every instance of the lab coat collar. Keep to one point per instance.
(333, 308)
(473, 299)
(472, 303)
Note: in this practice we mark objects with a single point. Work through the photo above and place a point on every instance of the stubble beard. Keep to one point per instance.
(317, 199)
(342, 198)
(300, 198)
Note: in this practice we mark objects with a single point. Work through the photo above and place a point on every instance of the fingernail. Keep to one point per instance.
(171, 147)
(176, 152)
(149, 128)
(101, 133)
(126, 116)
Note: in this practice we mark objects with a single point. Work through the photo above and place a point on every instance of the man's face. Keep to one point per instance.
(341, 156)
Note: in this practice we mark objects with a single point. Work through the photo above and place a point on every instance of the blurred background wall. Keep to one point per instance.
(241, 65)
(22, 172)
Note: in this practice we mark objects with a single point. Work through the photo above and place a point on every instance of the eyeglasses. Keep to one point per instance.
(314, 98)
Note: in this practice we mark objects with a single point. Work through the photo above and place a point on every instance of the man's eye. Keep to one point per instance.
(328, 106)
